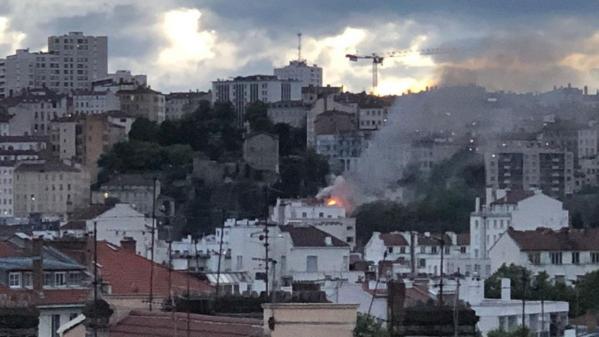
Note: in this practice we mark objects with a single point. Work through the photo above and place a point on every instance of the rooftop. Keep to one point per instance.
(513, 197)
(543, 239)
(310, 236)
(160, 324)
(87, 213)
(130, 180)
(46, 166)
(128, 274)
(393, 239)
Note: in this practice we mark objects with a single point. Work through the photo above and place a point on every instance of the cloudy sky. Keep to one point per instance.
(184, 44)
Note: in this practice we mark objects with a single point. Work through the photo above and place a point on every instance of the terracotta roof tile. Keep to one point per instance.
(543, 239)
(463, 239)
(8, 249)
(158, 324)
(393, 239)
(310, 236)
(67, 296)
(128, 274)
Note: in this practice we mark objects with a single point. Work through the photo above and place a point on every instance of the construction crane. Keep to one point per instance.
(378, 59)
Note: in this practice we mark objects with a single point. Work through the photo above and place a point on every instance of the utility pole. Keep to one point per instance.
(442, 241)
(524, 280)
(220, 252)
(95, 276)
(266, 244)
(456, 313)
(153, 230)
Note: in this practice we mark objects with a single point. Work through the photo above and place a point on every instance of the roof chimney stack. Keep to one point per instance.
(128, 244)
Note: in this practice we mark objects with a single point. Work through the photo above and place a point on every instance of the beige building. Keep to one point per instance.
(49, 188)
(309, 319)
(98, 135)
(63, 138)
(143, 102)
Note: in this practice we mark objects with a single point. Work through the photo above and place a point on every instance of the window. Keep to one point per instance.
(55, 325)
(239, 262)
(575, 258)
(390, 250)
(402, 250)
(422, 250)
(75, 278)
(311, 263)
(534, 258)
(556, 257)
(27, 280)
(463, 250)
(14, 280)
(60, 279)
(48, 280)
(447, 251)
(421, 263)
(434, 250)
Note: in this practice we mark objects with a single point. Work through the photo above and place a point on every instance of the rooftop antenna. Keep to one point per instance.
(299, 47)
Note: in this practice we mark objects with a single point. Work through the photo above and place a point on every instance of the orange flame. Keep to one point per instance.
(333, 202)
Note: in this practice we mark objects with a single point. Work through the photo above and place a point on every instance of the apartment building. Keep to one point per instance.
(179, 104)
(7, 169)
(143, 102)
(299, 70)
(565, 255)
(72, 62)
(292, 113)
(51, 188)
(522, 165)
(86, 102)
(515, 209)
(32, 111)
(240, 91)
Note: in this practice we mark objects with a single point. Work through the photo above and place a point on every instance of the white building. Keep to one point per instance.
(241, 91)
(73, 61)
(299, 252)
(114, 223)
(505, 313)
(32, 111)
(330, 217)
(372, 117)
(517, 209)
(419, 253)
(301, 71)
(565, 255)
(87, 102)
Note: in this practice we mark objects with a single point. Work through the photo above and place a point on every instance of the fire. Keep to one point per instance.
(333, 202)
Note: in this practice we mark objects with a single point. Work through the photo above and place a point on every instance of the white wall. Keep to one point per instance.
(528, 214)
(45, 318)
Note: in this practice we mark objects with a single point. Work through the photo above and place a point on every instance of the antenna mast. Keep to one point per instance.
(299, 47)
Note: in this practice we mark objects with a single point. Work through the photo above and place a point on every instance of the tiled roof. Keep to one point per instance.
(89, 212)
(160, 324)
(8, 249)
(513, 197)
(129, 274)
(432, 240)
(543, 239)
(393, 239)
(74, 225)
(463, 239)
(310, 236)
(66, 296)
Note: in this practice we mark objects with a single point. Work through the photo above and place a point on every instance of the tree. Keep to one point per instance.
(518, 332)
(368, 326)
(256, 114)
(144, 130)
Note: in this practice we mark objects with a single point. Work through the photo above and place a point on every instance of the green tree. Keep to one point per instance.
(518, 332)
(257, 115)
(144, 130)
(368, 326)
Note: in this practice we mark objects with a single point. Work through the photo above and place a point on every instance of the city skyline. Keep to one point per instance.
(172, 39)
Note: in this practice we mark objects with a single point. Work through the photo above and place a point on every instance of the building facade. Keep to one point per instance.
(242, 91)
(301, 71)
(143, 102)
(51, 188)
(179, 104)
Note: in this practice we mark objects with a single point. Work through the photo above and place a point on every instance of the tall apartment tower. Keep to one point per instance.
(530, 165)
(73, 62)
(84, 59)
(309, 75)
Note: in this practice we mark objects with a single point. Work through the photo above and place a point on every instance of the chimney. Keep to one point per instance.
(396, 296)
(477, 204)
(37, 271)
(128, 244)
(586, 90)
(506, 289)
